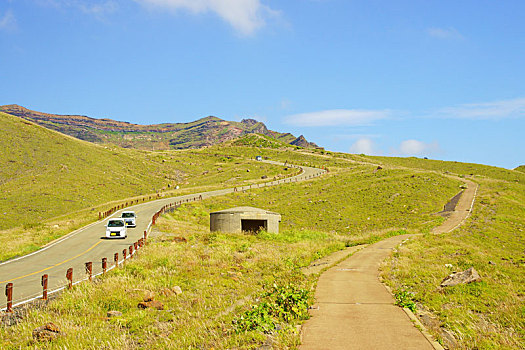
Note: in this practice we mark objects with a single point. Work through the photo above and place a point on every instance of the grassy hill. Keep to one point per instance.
(230, 281)
(50, 179)
(200, 133)
(222, 275)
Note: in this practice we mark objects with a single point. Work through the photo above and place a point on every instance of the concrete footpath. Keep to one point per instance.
(354, 310)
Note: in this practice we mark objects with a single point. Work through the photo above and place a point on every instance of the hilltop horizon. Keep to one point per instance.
(201, 132)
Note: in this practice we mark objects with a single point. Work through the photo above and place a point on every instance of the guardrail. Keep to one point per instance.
(135, 247)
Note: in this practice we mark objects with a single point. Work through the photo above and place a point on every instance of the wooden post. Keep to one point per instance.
(89, 270)
(44, 287)
(69, 276)
(9, 295)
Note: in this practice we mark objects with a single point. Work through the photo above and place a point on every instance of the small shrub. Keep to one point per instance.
(279, 304)
(405, 299)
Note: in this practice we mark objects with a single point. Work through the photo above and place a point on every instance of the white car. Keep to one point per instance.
(116, 228)
(130, 218)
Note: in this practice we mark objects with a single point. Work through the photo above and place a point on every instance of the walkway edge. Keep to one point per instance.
(418, 324)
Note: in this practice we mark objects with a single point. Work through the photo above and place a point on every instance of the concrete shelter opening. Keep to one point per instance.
(253, 225)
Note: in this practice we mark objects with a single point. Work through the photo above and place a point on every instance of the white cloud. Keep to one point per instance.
(99, 9)
(96, 8)
(415, 148)
(7, 20)
(337, 117)
(365, 146)
(246, 16)
(445, 33)
(514, 108)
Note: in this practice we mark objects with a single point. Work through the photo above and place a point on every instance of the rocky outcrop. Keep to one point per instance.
(302, 142)
(204, 132)
(464, 277)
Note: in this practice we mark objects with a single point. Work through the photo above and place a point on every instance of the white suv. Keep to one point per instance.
(116, 228)
(129, 218)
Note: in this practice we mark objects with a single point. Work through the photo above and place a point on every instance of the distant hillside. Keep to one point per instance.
(203, 132)
(45, 174)
(520, 168)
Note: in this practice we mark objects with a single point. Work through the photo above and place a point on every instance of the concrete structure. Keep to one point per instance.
(244, 219)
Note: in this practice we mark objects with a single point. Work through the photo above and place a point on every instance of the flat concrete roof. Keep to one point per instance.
(245, 210)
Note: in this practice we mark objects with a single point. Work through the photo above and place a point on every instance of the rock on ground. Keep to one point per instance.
(114, 314)
(464, 277)
(47, 332)
(153, 304)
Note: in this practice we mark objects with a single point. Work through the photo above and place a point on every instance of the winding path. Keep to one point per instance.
(89, 244)
(354, 310)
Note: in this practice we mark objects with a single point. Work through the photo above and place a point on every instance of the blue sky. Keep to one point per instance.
(442, 79)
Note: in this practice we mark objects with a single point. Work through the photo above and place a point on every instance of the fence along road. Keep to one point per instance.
(88, 244)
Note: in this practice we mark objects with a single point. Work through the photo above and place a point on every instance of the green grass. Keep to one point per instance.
(228, 277)
(483, 315)
(225, 277)
(457, 168)
(221, 275)
(354, 201)
(49, 180)
(257, 140)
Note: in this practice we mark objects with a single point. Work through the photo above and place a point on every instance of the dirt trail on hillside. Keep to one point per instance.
(462, 210)
(354, 310)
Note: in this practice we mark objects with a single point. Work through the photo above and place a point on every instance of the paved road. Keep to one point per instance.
(89, 244)
(353, 308)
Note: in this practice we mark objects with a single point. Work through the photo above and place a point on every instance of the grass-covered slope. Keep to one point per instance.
(224, 277)
(258, 140)
(463, 169)
(47, 178)
(351, 202)
(484, 315)
(46, 174)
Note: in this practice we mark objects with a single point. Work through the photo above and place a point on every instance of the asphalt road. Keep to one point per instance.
(89, 244)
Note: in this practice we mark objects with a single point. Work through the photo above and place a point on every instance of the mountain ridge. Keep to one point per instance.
(206, 131)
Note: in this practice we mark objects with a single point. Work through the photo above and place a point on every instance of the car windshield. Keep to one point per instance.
(115, 223)
(128, 215)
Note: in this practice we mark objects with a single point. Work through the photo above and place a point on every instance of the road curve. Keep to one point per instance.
(89, 244)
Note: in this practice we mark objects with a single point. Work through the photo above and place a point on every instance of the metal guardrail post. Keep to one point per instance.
(9, 295)
(44, 286)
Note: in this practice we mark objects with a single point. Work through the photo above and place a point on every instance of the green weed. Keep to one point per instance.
(405, 299)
